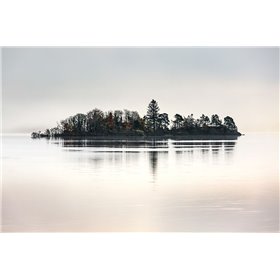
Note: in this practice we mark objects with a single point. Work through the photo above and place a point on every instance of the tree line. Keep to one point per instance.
(129, 123)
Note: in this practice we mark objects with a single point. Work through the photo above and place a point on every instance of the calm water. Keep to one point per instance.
(173, 185)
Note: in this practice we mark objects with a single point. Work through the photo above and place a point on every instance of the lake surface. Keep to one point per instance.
(167, 185)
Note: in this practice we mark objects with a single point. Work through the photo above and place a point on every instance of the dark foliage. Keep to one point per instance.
(129, 123)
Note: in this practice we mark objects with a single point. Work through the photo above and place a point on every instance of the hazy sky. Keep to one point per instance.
(44, 85)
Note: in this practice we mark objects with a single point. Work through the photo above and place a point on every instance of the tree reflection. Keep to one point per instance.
(114, 153)
(153, 157)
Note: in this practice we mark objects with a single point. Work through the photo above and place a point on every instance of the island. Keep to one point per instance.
(124, 123)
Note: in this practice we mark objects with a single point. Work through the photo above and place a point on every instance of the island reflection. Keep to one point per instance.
(98, 152)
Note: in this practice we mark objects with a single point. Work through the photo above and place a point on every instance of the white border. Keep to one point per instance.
(139, 23)
(140, 256)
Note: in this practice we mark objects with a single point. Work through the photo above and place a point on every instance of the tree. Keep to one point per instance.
(215, 121)
(189, 122)
(95, 122)
(47, 133)
(178, 122)
(109, 121)
(67, 127)
(206, 121)
(135, 120)
(118, 119)
(152, 116)
(203, 121)
(79, 121)
(56, 131)
(163, 121)
(230, 124)
(127, 124)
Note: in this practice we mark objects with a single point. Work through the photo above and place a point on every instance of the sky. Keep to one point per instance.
(41, 86)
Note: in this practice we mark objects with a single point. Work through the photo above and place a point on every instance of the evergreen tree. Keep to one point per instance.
(152, 116)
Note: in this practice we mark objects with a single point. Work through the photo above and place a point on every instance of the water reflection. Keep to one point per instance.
(153, 157)
(141, 184)
(110, 143)
(100, 152)
(152, 144)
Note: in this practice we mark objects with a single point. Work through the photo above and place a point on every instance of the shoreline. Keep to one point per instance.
(147, 137)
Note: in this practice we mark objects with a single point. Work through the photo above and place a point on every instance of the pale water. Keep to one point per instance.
(167, 185)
